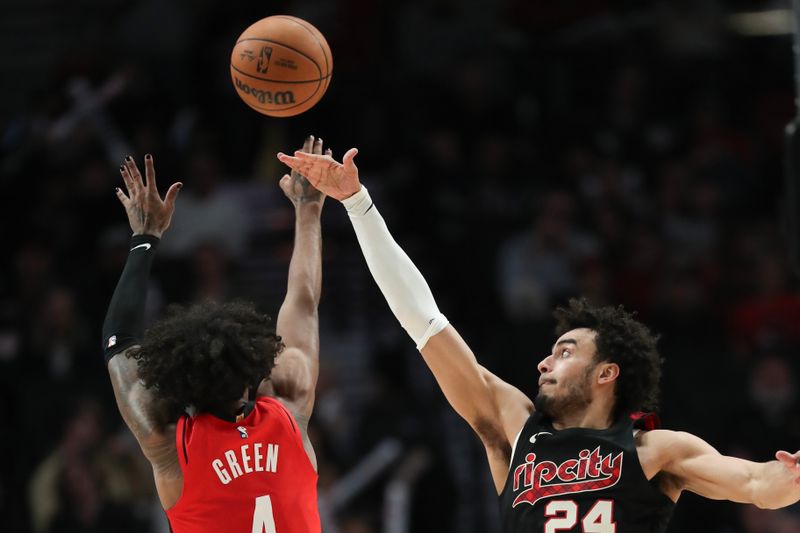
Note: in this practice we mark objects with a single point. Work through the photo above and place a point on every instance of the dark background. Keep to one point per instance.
(522, 152)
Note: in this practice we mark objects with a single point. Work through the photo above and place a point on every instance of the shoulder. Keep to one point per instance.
(661, 449)
(664, 442)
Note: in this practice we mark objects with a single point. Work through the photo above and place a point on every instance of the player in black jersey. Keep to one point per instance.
(576, 459)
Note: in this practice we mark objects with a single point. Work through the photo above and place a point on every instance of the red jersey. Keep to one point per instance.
(251, 476)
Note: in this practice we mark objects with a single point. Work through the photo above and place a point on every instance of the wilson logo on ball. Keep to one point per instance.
(266, 97)
(263, 59)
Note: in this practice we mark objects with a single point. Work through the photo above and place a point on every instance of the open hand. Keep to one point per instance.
(295, 185)
(148, 214)
(338, 180)
(792, 462)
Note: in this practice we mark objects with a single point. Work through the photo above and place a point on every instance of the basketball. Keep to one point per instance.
(281, 66)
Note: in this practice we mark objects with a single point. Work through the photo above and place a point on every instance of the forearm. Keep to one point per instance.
(401, 283)
(305, 268)
(123, 326)
(773, 486)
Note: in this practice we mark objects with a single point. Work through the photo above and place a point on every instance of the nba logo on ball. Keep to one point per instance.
(263, 59)
(281, 66)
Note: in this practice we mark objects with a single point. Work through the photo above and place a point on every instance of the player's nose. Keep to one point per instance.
(544, 365)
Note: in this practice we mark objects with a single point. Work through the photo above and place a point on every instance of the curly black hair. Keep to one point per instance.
(205, 356)
(623, 340)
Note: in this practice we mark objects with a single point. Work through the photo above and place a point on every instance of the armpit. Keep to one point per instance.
(493, 438)
(668, 484)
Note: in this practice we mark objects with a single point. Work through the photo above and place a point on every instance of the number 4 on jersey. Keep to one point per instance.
(564, 515)
(263, 521)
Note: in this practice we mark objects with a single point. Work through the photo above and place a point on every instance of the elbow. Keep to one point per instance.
(769, 498)
(767, 505)
(762, 503)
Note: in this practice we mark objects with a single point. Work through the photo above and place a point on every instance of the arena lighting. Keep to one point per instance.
(762, 23)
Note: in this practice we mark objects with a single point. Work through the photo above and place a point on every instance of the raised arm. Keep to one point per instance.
(123, 327)
(494, 409)
(294, 378)
(699, 468)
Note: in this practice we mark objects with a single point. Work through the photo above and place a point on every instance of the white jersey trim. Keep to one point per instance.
(514, 448)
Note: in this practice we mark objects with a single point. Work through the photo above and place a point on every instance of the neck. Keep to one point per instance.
(596, 415)
(230, 411)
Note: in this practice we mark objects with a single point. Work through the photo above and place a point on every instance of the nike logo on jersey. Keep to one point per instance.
(146, 246)
(533, 439)
(242, 431)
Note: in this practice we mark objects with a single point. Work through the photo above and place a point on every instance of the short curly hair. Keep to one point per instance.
(204, 356)
(623, 340)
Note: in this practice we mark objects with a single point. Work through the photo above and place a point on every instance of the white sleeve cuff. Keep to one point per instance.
(436, 325)
(359, 203)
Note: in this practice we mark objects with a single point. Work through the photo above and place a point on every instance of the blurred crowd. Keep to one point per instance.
(522, 152)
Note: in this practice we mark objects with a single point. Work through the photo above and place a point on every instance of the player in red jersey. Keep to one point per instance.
(232, 465)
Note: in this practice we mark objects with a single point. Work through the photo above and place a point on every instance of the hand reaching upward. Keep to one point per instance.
(337, 180)
(147, 212)
(295, 186)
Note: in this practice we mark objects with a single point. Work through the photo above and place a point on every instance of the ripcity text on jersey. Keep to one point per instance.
(580, 480)
(246, 476)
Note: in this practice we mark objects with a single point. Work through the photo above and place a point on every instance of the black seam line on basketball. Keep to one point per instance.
(288, 48)
(319, 84)
(299, 22)
(240, 71)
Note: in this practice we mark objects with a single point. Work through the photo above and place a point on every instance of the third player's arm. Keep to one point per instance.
(294, 377)
(701, 469)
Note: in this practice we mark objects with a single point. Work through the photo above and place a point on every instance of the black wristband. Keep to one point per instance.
(124, 323)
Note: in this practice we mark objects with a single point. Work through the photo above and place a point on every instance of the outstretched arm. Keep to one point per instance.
(294, 378)
(494, 409)
(701, 469)
(123, 327)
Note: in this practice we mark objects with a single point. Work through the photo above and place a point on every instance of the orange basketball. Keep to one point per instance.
(281, 66)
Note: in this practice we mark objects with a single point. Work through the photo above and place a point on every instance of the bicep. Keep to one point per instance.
(703, 470)
(482, 399)
(294, 377)
(298, 326)
(513, 405)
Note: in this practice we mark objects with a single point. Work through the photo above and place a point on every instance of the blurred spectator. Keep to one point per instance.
(208, 214)
(539, 267)
(771, 313)
(59, 338)
(73, 489)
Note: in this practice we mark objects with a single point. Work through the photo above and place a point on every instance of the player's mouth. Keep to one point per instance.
(546, 382)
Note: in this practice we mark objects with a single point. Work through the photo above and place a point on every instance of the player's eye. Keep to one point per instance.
(564, 353)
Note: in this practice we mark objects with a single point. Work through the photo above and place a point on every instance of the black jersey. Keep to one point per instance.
(580, 480)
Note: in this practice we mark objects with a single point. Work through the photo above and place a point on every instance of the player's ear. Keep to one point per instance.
(609, 372)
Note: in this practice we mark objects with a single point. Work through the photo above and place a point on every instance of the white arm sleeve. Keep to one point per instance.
(403, 286)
